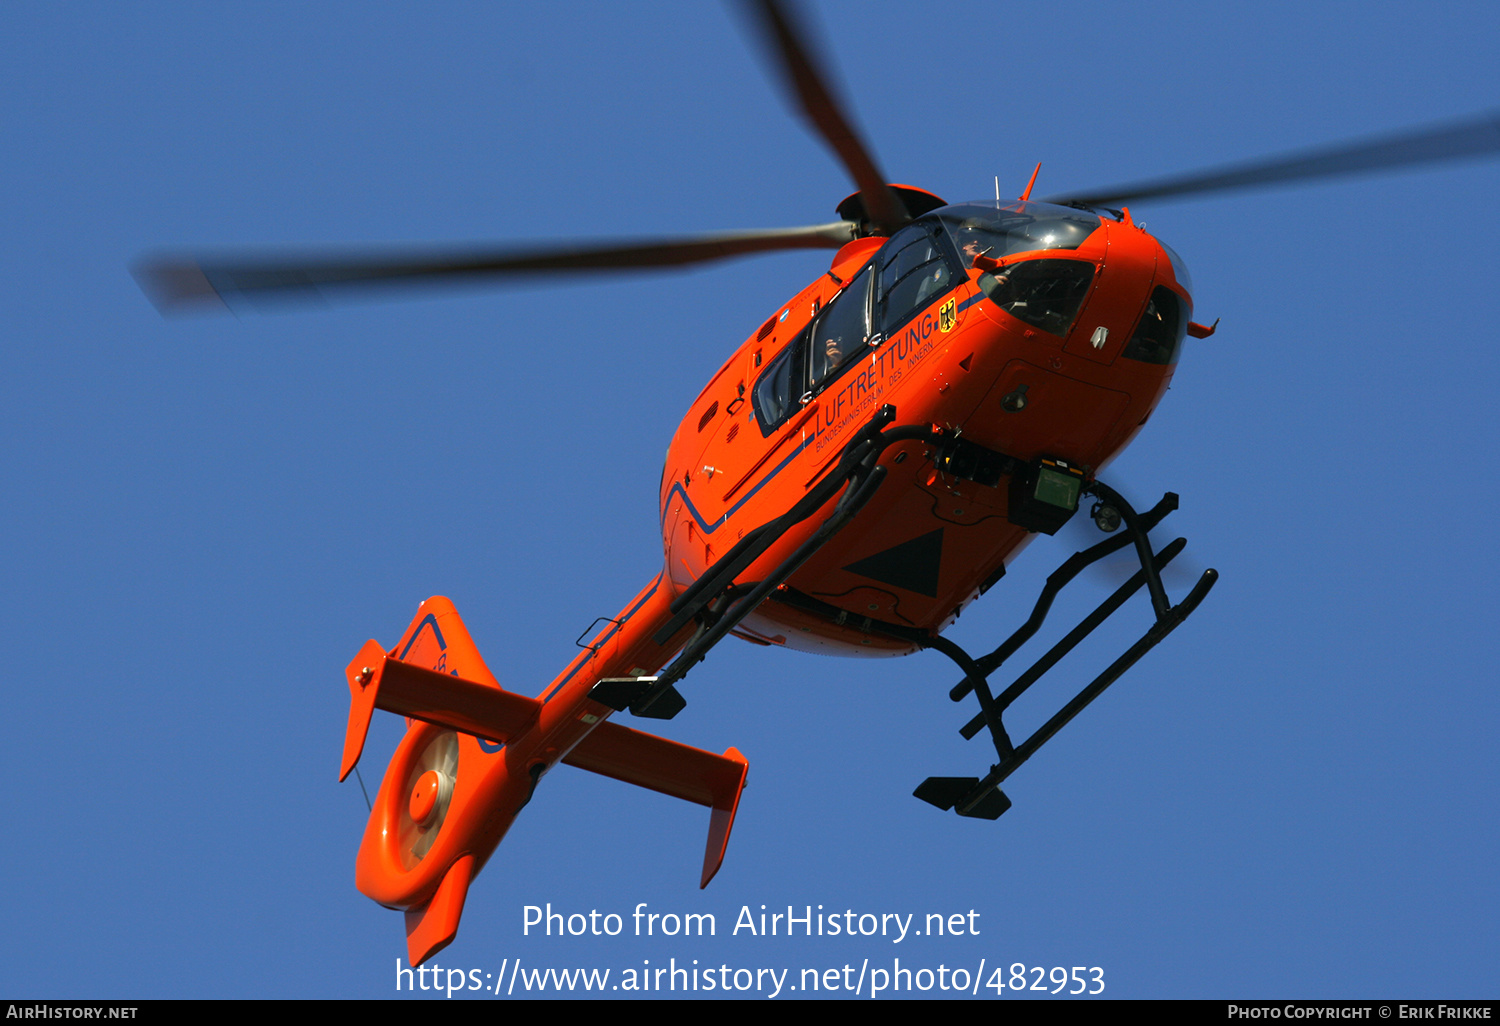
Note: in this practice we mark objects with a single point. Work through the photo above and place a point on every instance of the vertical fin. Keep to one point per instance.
(364, 683)
(432, 927)
(438, 640)
(727, 793)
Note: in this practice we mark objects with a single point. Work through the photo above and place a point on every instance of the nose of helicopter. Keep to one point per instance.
(1084, 348)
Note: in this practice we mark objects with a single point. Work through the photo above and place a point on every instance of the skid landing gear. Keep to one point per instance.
(981, 797)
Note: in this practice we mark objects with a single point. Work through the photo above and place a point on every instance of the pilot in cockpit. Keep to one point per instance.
(976, 248)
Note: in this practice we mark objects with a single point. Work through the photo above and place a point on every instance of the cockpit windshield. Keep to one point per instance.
(1179, 268)
(997, 231)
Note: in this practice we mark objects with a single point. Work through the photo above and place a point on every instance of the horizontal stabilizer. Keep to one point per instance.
(432, 927)
(669, 768)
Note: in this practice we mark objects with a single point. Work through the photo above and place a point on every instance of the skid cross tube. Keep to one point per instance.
(980, 797)
(1073, 637)
(1137, 530)
(1158, 630)
(1059, 579)
(978, 682)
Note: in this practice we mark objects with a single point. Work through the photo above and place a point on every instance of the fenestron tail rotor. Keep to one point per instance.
(425, 799)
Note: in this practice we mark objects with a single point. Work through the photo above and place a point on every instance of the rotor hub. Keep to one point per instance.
(424, 797)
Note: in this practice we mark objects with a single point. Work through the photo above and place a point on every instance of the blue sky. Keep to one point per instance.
(205, 519)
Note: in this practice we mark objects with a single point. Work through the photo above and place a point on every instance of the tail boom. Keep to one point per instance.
(474, 753)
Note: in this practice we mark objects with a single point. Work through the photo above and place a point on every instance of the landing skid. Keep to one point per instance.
(981, 797)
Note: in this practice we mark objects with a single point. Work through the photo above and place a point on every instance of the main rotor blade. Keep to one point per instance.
(806, 79)
(178, 285)
(1473, 137)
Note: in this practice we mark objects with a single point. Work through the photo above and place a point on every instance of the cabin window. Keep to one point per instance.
(840, 335)
(827, 347)
(777, 391)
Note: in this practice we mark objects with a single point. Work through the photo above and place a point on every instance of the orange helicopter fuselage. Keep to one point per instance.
(952, 364)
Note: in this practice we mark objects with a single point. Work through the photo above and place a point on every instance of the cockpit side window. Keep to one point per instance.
(1158, 338)
(913, 272)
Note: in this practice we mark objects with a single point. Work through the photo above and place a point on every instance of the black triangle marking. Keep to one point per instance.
(912, 565)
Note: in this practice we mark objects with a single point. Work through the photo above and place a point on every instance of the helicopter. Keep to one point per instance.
(866, 464)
